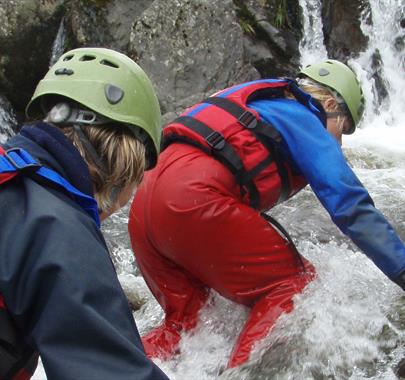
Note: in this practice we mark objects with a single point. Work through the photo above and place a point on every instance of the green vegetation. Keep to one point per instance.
(246, 26)
(277, 15)
(246, 20)
(281, 18)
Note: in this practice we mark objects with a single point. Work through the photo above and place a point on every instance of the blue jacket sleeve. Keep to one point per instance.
(319, 158)
(61, 288)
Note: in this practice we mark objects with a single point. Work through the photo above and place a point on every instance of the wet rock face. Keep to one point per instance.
(104, 23)
(341, 26)
(272, 34)
(27, 31)
(190, 48)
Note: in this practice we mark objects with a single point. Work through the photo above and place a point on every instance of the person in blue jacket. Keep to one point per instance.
(59, 293)
(197, 221)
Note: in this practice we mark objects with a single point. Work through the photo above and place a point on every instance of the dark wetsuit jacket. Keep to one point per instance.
(56, 275)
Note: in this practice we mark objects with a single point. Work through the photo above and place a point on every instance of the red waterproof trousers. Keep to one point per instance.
(191, 232)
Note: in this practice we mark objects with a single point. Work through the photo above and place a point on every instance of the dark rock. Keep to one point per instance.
(377, 75)
(271, 36)
(341, 26)
(105, 23)
(27, 31)
(401, 369)
(190, 49)
(399, 43)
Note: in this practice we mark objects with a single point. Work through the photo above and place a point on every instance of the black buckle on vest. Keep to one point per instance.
(215, 140)
(248, 120)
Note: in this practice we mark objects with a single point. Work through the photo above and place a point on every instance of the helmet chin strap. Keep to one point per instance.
(115, 191)
(90, 149)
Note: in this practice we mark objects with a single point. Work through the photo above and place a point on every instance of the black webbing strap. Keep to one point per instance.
(272, 146)
(263, 132)
(286, 235)
(14, 353)
(11, 365)
(223, 152)
(8, 334)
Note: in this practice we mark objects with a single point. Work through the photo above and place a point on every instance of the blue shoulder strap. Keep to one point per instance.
(20, 161)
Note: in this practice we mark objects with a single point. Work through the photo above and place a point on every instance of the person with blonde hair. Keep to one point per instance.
(227, 160)
(60, 297)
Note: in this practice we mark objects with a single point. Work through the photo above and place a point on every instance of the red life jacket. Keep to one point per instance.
(18, 360)
(224, 127)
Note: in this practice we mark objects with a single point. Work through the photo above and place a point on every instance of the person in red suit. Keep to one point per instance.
(197, 220)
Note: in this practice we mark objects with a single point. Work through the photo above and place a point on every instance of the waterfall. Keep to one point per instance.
(7, 120)
(311, 46)
(58, 46)
(381, 69)
(382, 65)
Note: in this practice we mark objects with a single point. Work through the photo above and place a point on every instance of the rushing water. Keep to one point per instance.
(7, 120)
(311, 46)
(350, 322)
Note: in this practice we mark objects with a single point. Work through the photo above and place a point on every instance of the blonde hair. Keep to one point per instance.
(122, 154)
(324, 94)
(318, 92)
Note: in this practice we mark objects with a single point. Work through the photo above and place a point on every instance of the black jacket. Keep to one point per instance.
(56, 276)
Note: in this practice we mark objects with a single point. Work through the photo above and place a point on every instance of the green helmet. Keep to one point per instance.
(110, 84)
(341, 79)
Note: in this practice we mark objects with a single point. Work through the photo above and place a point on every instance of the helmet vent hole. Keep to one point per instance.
(87, 58)
(68, 57)
(109, 63)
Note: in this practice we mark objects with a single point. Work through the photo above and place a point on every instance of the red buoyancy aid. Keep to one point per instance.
(18, 360)
(224, 127)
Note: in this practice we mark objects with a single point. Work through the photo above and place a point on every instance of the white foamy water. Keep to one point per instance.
(7, 120)
(59, 43)
(349, 323)
(311, 45)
